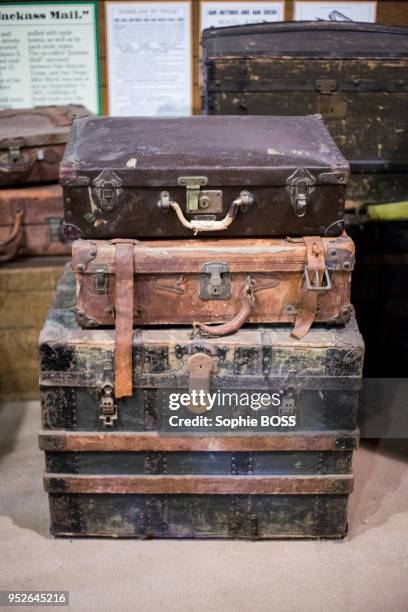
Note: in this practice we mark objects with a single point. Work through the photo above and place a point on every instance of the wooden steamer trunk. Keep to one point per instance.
(115, 467)
(344, 71)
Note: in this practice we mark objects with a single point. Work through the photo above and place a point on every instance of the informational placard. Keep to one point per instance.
(149, 50)
(49, 54)
(335, 11)
(222, 14)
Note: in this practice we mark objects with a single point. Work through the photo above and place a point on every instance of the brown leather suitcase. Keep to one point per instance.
(32, 142)
(129, 177)
(31, 222)
(202, 282)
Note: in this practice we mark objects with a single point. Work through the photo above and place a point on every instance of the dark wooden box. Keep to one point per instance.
(354, 74)
(130, 475)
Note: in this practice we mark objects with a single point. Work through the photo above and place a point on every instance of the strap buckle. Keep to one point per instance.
(325, 285)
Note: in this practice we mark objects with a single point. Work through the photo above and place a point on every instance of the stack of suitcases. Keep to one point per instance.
(32, 243)
(211, 257)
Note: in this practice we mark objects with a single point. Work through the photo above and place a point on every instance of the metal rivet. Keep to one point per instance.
(80, 267)
(109, 311)
(93, 252)
(333, 252)
(346, 265)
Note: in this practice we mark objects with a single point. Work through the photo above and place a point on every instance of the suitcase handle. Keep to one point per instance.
(245, 199)
(20, 167)
(15, 238)
(235, 324)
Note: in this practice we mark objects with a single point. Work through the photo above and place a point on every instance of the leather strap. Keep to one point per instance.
(124, 317)
(10, 247)
(235, 324)
(307, 301)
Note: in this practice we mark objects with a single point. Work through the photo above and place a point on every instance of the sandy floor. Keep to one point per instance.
(368, 571)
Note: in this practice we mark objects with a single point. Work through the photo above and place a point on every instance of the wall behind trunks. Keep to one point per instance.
(388, 12)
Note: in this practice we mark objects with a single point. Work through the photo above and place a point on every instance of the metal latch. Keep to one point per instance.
(14, 153)
(208, 201)
(300, 187)
(330, 103)
(108, 412)
(107, 188)
(55, 233)
(101, 279)
(215, 284)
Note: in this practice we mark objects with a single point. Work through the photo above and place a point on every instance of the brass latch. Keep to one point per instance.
(330, 102)
(207, 201)
(215, 283)
(108, 412)
(300, 187)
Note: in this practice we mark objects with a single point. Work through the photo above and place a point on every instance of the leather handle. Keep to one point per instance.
(21, 167)
(198, 225)
(232, 326)
(15, 239)
(124, 317)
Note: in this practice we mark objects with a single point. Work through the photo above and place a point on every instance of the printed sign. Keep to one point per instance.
(335, 11)
(222, 14)
(48, 54)
(149, 58)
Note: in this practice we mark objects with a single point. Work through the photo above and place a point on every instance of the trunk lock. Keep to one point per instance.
(330, 103)
(197, 201)
(108, 412)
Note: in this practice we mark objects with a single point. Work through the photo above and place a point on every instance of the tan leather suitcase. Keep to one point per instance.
(215, 286)
(31, 222)
(32, 142)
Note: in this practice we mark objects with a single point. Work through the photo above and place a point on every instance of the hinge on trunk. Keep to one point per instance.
(300, 187)
(215, 286)
(206, 201)
(330, 103)
(107, 189)
(108, 412)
